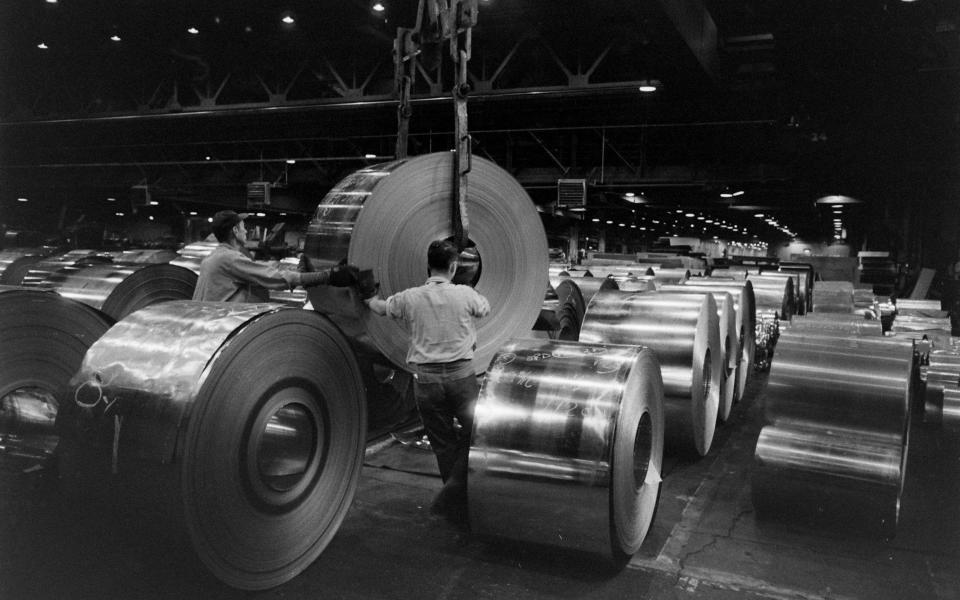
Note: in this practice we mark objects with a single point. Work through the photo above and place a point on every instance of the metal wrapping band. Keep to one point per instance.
(384, 217)
(837, 423)
(44, 338)
(622, 271)
(746, 324)
(567, 446)
(258, 466)
(833, 296)
(684, 333)
(773, 296)
(729, 343)
(837, 323)
(119, 290)
(671, 276)
(14, 264)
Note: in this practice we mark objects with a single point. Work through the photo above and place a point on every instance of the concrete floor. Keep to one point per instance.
(706, 541)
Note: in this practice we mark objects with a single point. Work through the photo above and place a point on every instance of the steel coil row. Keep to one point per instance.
(837, 420)
(683, 332)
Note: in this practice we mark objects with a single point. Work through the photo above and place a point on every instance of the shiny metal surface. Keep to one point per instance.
(44, 338)
(119, 290)
(567, 446)
(191, 255)
(384, 217)
(773, 296)
(37, 275)
(729, 343)
(838, 416)
(746, 326)
(258, 465)
(684, 333)
(671, 276)
(799, 300)
(589, 286)
(15, 262)
(806, 276)
(833, 296)
(569, 311)
(950, 409)
(151, 256)
(837, 323)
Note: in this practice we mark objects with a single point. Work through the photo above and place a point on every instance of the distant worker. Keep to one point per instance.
(442, 318)
(229, 274)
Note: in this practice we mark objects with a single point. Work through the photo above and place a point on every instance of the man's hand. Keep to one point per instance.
(368, 287)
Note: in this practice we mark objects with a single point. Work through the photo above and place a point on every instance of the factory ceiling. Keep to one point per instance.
(777, 102)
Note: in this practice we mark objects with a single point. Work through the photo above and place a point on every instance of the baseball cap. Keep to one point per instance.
(225, 219)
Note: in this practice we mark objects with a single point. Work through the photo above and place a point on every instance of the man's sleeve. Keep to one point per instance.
(262, 274)
(479, 307)
(396, 306)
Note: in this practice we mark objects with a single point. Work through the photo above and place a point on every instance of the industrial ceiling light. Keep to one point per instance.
(291, 161)
(379, 7)
(22, 200)
(648, 86)
(114, 38)
(193, 30)
(288, 19)
(595, 220)
(111, 199)
(833, 200)
(42, 46)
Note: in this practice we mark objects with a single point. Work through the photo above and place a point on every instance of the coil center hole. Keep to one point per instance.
(642, 450)
(469, 265)
(286, 446)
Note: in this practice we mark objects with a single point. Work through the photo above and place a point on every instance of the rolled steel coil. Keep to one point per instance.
(578, 273)
(619, 272)
(684, 333)
(45, 337)
(570, 309)
(14, 264)
(833, 296)
(837, 323)
(645, 283)
(731, 272)
(837, 426)
(119, 290)
(799, 300)
(671, 276)
(38, 272)
(150, 256)
(807, 275)
(942, 375)
(744, 305)
(173, 407)
(384, 217)
(567, 447)
(774, 297)
(729, 343)
(950, 409)
(920, 308)
(590, 286)
(191, 255)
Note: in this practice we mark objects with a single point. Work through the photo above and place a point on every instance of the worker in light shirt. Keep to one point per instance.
(229, 274)
(442, 318)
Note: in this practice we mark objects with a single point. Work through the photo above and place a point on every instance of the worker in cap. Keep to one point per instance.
(229, 274)
(442, 317)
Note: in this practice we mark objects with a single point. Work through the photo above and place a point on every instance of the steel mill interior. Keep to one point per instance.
(706, 257)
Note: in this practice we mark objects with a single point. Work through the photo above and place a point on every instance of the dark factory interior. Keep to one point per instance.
(720, 241)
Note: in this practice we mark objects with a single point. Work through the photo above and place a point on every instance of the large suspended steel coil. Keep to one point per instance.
(746, 324)
(245, 422)
(833, 296)
(119, 290)
(684, 333)
(838, 324)
(729, 344)
(567, 446)
(774, 297)
(44, 338)
(384, 217)
(838, 419)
